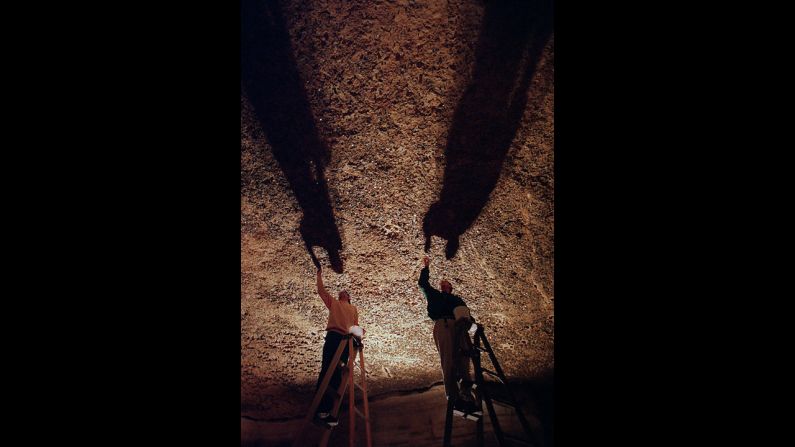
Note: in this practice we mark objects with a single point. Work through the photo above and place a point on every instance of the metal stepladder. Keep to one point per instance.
(347, 382)
(483, 394)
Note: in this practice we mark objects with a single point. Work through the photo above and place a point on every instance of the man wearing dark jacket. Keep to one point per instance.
(443, 307)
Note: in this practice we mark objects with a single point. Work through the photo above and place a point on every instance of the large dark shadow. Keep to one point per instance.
(512, 38)
(275, 90)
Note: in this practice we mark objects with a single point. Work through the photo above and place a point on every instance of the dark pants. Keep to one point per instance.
(329, 349)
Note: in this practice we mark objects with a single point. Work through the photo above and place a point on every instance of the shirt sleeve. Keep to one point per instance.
(425, 284)
(324, 295)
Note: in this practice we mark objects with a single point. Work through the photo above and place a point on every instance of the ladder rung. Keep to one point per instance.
(358, 386)
(359, 413)
(492, 373)
(340, 392)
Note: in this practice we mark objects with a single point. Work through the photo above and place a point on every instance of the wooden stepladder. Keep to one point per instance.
(346, 383)
(482, 394)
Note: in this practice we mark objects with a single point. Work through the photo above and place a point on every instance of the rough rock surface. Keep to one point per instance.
(367, 127)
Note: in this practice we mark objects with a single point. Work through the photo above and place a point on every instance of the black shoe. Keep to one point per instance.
(467, 409)
(461, 408)
(324, 418)
(320, 418)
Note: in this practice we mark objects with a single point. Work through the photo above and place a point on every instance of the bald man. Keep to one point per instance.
(342, 315)
(451, 339)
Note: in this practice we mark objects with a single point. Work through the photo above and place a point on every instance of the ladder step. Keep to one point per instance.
(340, 392)
(358, 386)
(359, 413)
(470, 416)
(492, 373)
(473, 417)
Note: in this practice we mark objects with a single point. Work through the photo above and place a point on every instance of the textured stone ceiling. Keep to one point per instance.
(366, 127)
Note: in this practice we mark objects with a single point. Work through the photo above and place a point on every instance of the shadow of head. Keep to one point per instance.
(441, 220)
(317, 234)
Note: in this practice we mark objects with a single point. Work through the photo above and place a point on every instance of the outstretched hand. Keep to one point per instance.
(426, 261)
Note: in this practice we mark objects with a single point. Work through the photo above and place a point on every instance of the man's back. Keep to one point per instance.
(341, 316)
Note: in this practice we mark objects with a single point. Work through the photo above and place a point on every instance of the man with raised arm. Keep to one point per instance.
(452, 320)
(342, 316)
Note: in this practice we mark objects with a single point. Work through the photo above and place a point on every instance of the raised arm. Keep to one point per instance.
(324, 295)
(424, 282)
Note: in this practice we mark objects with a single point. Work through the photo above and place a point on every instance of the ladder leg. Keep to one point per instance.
(448, 422)
(351, 397)
(475, 358)
(335, 408)
(494, 361)
(479, 405)
(319, 394)
(324, 439)
(364, 393)
(495, 424)
(480, 432)
(342, 388)
(511, 398)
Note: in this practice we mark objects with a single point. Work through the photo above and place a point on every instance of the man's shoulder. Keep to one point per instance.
(433, 293)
